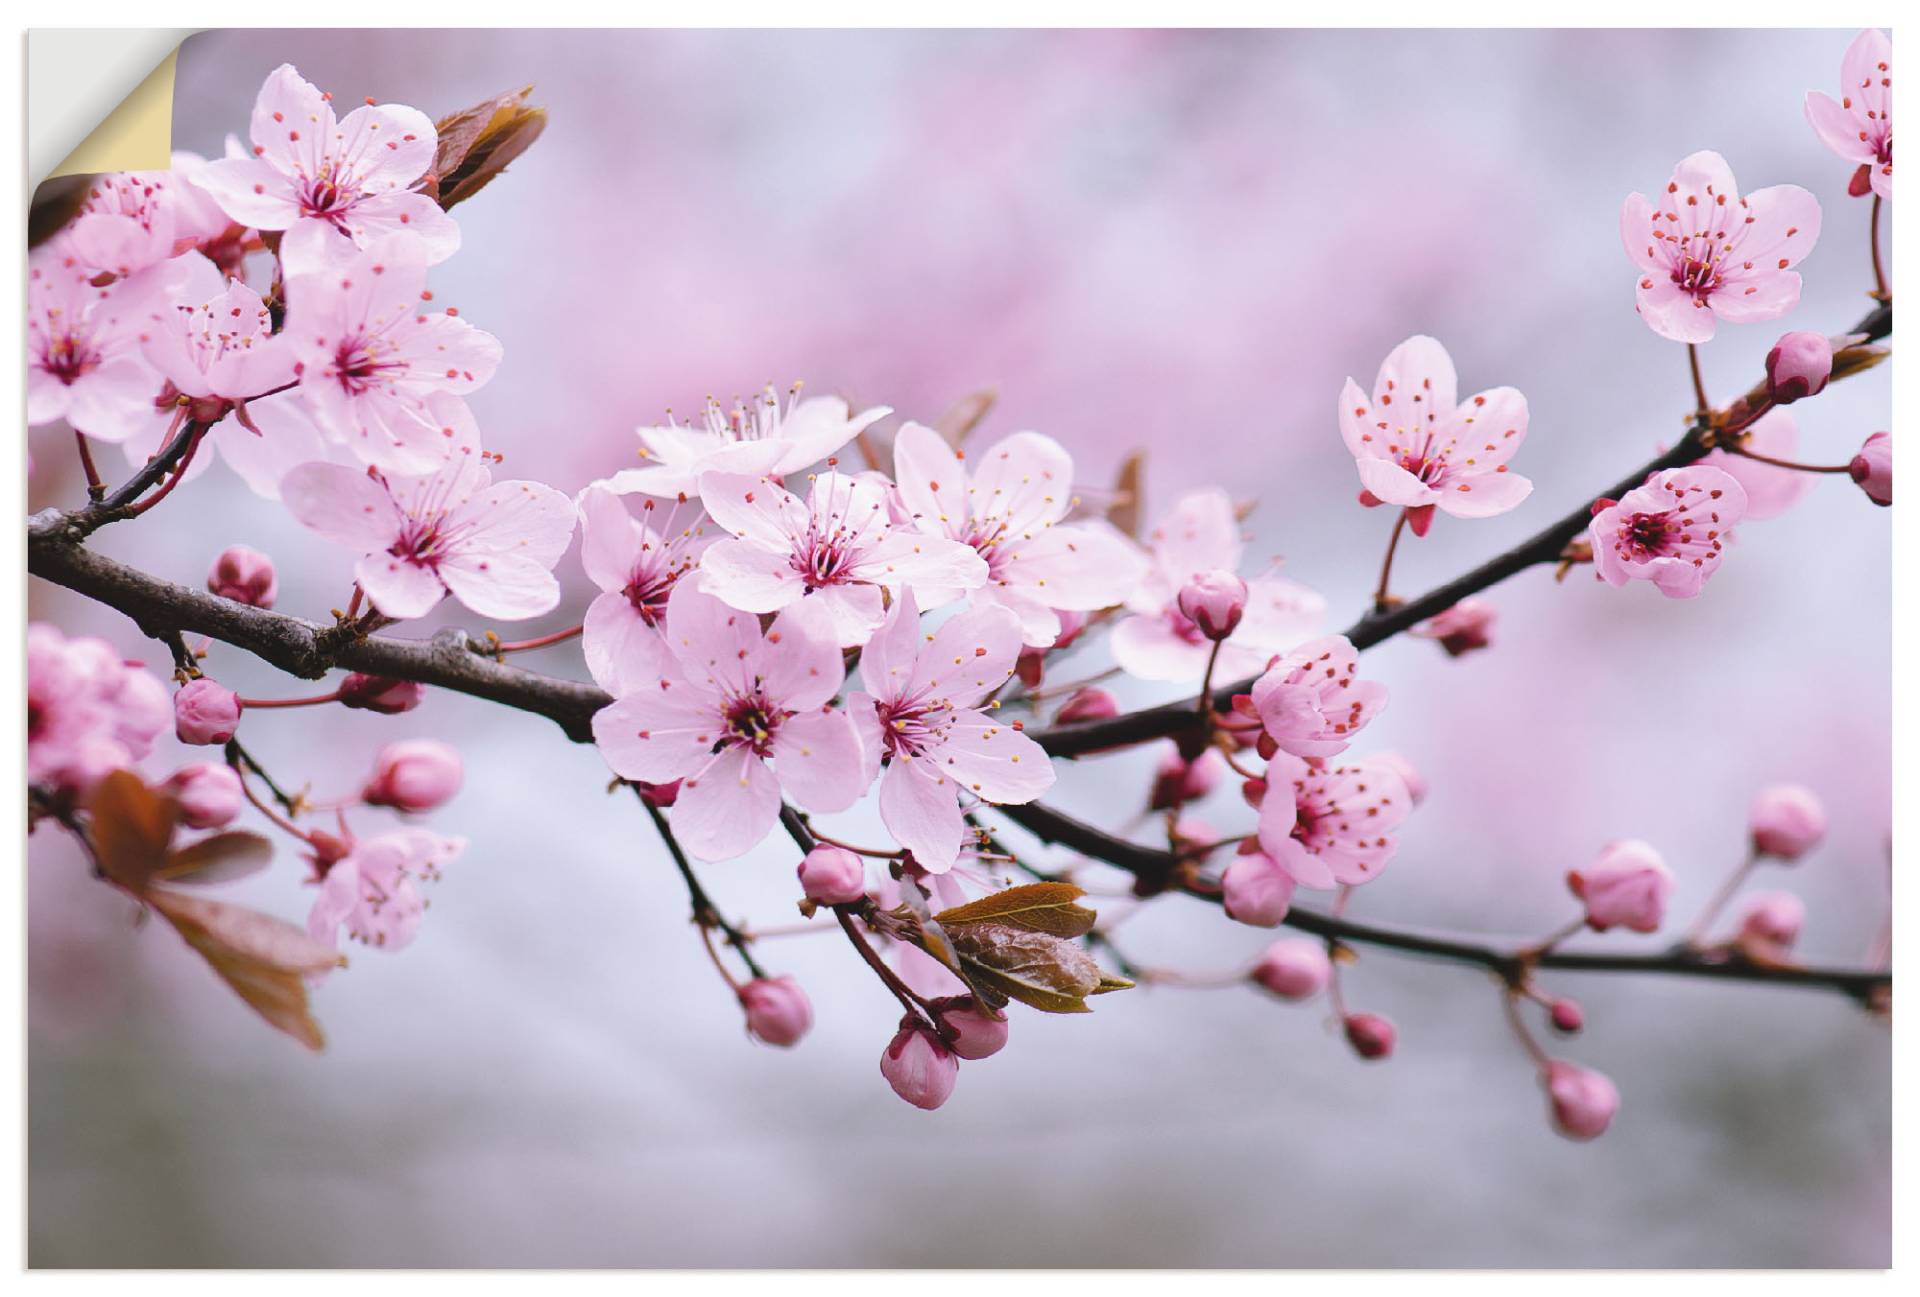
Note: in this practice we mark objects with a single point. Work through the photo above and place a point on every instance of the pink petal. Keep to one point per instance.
(528, 519)
(728, 808)
(508, 587)
(1482, 495)
(1148, 649)
(1781, 226)
(1770, 491)
(1199, 534)
(293, 125)
(115, 401)
(753, 508)
(932, 480)
(1671, 311)
(993, 761)
(622, 652)
(1081, 567)
(286, 440)
(711, 641)
(799, 663)
(611, 539)
(1416, 387)
(970, 656)
(658, 734)
(913, 558)
(386, 146)
(342, 504)
(818, 758)
(1751, 300)
(397, 587)
(1359, 426)
(888, 660)
(918, 806)
(1838, 128)
(1025, 479)
(1393, 484)
(749, 576)
(254, 194)
(1638, 221)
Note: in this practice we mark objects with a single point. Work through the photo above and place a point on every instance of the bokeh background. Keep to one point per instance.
(1180, 242)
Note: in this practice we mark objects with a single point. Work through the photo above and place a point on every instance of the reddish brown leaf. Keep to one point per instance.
(477, 143)
(1037, 907)
(964, 415)
(262, 958)
(1123, 511)
(132, 828)
(1035, 968)
(220, 858)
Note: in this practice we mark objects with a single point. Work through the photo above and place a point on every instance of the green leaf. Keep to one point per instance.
(1037, 907)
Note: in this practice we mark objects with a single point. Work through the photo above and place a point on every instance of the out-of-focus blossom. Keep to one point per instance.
(1177, 781)
(1158, 642)
(331, 183)
(373, 889)
(728, 702)
(85, 359)
(1418, 446)
(1860, 127)
(1089, 704)
(245, 576)
(1461, 629)
(205, 712)
(1566, 1016)
(1295, 968)
(492, 545)
(976, 1034)
(1786, 821)
(1256, 891)
(1798, 366)
(920, 709)
(414, 775)
(918, 1065)
(1331, 825)
(1214, 602)
(778, 1011)
(370, 357)
(208, 794)
(837, 550)
(1707, 254)
(88, 712)
(1311, 702)
(1627, 887)
(1872, 468)
(1770, 489)
(832, 876)
(1583, 1101)
(1008, 503)
(758, 440)
(1673, 531)
(1770, 924)
(132, 221)
(212, 338)
(1371, 1035)
(379, 694)
(1409, 773)
(636, 565)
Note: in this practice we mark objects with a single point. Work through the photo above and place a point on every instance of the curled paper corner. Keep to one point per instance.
(100, 100)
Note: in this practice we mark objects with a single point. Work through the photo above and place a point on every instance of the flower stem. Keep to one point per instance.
(96, 489)
(173, 480)
(1735, 448)
(1701, 406)
(913, 1004)
(1720, 899)
(251, 703)
(538, 641)
(1879, 271)
(1381, 598)
(1510, 997)
(706, 915)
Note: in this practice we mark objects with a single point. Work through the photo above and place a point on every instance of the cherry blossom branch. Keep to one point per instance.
(705, 913)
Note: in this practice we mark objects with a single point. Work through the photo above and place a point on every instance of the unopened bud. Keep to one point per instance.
(1626, 887)
(245, 576)
(1798, 366)
(1177, 781)
(918, 1066)
(1786, 821)
(777, 1010)
(1770, 923)
(204, 712)
(379, 694)
(973, 1032)
(832, 876)
(1567, 1016)
(1256, 891)
(1088, 704)
(1583, 1100)
(1461, 629)
(1214, 601)
(415, 775)
(1371, 1035)
(661, 795)
(1872, 468)
(208, 794)
(1295, 968)
(1409, 774)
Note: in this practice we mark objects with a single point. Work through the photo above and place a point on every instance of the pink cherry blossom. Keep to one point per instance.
(1256, 891)
(1311, 701)
(832, 876)
(1461, 629)
(370, 358)
(244, 575)
(1583, 1101)
(1159, 642)
(1770, 923)
(331, 183)
(1294, 968)
(276, 437)
(414, 775)
(1799, 366)
(1416, 445)
(1673, 531)
(1707, 254)
(374, 890)
(205, 712)
(778, 1011)
(758, 440)
(739, 718)
(838, 550)
(207, 792)
(492, 545)
(1331, 825)
(1872, 468)
(1008, 503)
(1627, 886)
(213, 338)
(133, 220)
(86, 361)
(1860, 127)
(1786, 821)
(88, 711)
(1771, 491)
(378, 694)
(920, 712)
(636, 562)
(918, 1065)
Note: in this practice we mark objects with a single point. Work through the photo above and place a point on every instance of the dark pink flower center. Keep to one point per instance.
(1697, 275)
(647, 591)
(70, 357)
(914, 726)
(358, 366)
(420, 542)
(752, 722)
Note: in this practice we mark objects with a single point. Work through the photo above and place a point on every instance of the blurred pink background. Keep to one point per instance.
(1180, 242)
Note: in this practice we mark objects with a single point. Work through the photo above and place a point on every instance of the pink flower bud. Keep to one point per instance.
(204, 712)
(833, 876)
(244, 576)
(1567, 1016)
(414, 775)
(661, 795)
(1786, 821)
(777, 1010)
(976, 1033)
(1088, 704)
(1798, 366)
(1466, 626)
(1177, 780)
(208, 793)
(1583, 1100)
(1626, 887)
(1872, 468)
(379, 694)
(1256, 891)
(1770, 922)
(1214, 600)
(1410, 776)
(918, 1066)
(1371, 1035)
(1295, 968)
